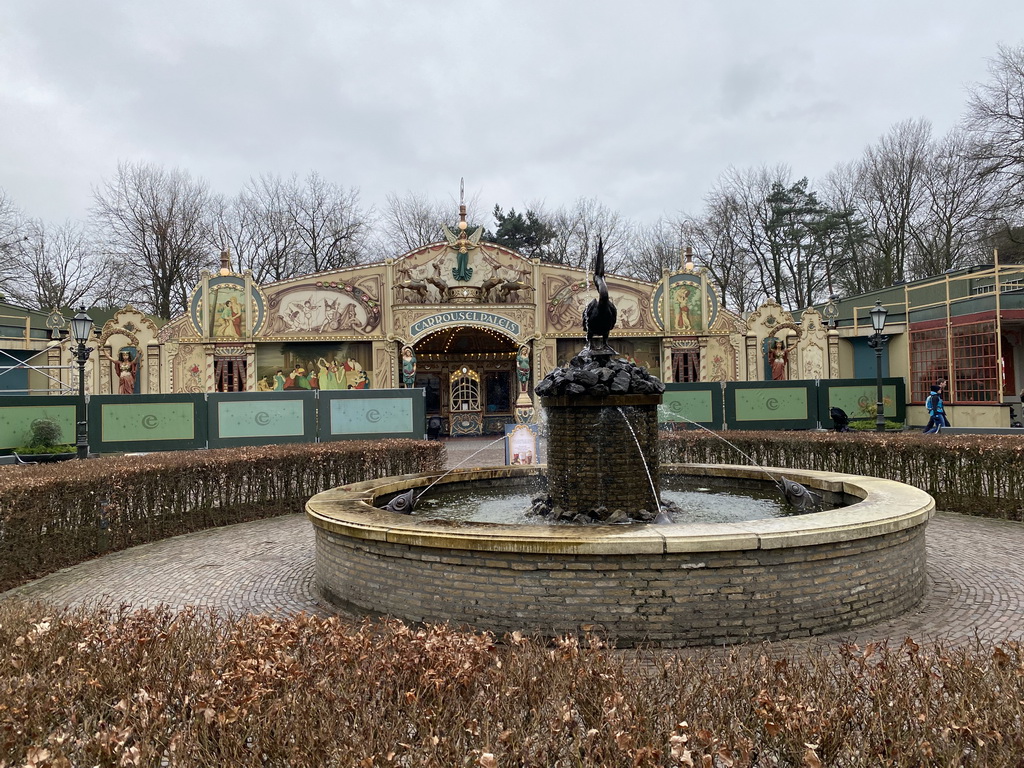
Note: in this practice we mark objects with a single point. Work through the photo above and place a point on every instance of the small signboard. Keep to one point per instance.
(522, 445)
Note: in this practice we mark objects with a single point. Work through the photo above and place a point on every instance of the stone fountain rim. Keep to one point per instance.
(885, 507)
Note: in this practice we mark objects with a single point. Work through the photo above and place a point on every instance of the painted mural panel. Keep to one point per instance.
(188, 368)
(721, 359)
(291, 366)
(227, 320)
(230, 315)
(567, 298)
(334, 306)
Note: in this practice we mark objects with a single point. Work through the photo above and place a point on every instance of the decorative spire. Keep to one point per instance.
(463, 224)
(687, 259)
(225, 261)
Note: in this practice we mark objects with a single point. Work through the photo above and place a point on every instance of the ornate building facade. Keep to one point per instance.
(474, 324)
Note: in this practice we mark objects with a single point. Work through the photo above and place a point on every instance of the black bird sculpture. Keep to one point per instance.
(600, 314)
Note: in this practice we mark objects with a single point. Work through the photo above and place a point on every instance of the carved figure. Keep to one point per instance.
(438, 282)
(778, 356)
(127, 370)
(490, 283)
(408, 367)
(417, 287)
(600, 314)
(508, 291)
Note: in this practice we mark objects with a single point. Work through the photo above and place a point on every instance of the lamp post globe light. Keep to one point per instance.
(876, 341)
(81, 329)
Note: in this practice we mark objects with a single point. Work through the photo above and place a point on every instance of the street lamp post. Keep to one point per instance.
(81, 329)
(876, 342)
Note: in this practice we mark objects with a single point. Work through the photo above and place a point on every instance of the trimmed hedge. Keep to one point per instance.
(56, 515)
(973, 474)
(152, 688)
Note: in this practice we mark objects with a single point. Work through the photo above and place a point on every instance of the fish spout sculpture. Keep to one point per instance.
(403, 503)
(800, 499)
(600, 314)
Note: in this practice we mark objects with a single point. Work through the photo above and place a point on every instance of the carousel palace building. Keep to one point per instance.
(476, 325)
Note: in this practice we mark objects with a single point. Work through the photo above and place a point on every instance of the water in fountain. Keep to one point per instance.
(799, 497)
(406, 502)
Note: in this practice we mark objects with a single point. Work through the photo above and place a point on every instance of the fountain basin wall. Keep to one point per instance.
(672, 585)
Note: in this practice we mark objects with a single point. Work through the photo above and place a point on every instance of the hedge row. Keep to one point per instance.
(154, 688)
(56, 515)
(973, 474)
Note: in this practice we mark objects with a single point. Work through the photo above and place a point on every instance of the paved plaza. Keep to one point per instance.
(975, 579)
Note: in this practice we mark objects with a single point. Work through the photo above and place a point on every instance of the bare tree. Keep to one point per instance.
(892, 193)
(961, 201)
(12, 234)
(995, 119)
(578, 227)
(653, 249)
(331, 226)
(258, 227)
(851, 263)
(413, 220)
(153, 225)
(718, 237)
(56, 267)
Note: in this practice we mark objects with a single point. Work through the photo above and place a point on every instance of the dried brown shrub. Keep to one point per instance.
(55, 515)
(973, 474)
(114, 688)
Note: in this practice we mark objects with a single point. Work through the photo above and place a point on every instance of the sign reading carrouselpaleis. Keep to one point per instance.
(460, 316)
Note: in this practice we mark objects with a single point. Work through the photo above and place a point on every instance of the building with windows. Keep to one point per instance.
(965, 326)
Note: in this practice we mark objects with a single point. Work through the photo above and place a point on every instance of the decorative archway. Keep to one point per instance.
(442, 356)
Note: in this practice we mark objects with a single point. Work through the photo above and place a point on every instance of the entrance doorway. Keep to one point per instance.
(490, 357)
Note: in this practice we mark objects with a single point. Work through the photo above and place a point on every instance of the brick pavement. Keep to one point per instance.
(975, 582)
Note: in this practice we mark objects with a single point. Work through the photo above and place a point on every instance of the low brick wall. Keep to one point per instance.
(673, 585)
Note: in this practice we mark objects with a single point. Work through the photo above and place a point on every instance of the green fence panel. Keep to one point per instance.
(261, 418)
(140, 423)
(700, 402)
(372, 413)
(17, 412)
(859, 397)
(771, 404)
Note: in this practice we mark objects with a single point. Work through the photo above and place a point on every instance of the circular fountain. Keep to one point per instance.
(670, 584)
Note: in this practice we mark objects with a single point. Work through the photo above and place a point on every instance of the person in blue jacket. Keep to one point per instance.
(936, 412)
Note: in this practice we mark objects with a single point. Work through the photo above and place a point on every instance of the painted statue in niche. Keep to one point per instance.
(408, 367)
(685, 307)
(228, 313)
(778, 358)
(523, 367)
(126, 366)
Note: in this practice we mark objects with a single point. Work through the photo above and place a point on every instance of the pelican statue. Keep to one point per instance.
(599, 316)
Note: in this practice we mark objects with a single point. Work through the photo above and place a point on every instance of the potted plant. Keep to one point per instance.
(45, 444)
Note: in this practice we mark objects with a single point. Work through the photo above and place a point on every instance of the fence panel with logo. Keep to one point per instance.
(771, 404)
(859, 399)
(261, 418)
(17, 412)
(700, 402)
(372, 413)
(139, 423)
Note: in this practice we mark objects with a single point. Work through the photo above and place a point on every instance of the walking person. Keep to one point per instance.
(936, 411)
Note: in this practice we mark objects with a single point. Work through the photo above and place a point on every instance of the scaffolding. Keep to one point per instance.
(56, 385)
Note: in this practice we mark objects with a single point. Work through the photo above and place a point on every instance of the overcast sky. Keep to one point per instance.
(639, 104)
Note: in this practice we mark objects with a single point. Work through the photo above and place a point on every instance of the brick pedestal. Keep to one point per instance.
(593, 458)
